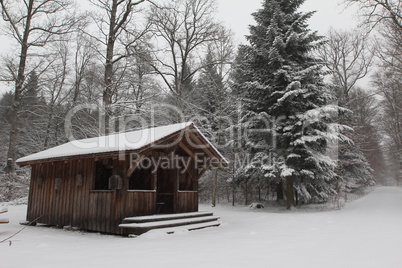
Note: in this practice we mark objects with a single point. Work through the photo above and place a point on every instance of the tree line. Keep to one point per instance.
(285, 108)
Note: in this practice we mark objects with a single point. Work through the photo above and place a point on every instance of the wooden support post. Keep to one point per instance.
(186, 149)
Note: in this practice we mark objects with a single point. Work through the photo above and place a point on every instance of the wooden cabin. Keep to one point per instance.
(94, 184)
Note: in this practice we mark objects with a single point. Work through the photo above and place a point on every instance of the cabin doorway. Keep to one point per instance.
(165, 190)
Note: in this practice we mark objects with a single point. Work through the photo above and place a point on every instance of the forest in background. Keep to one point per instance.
(284, 109)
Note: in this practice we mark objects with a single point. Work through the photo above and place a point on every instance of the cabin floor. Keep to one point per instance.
(169, 222)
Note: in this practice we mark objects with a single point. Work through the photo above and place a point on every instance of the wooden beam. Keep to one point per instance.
(186, 149)
(204, 148)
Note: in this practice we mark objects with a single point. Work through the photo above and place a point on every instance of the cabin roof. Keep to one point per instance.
(127, 141)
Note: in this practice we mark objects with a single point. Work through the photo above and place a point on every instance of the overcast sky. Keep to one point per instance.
(236, 15)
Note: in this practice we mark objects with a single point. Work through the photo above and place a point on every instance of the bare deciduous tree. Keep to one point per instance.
(185, 28)
(33, 25)
(55, 89)
(389, 48)
(119, 34)
(388, 83)
(386, 17)
(348, 57)
(83, 59)
(378, 11)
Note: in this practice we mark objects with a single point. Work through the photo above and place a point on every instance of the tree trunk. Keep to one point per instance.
(18, 93)
(13, 136)
(215, 188)
(279, 191)
(108, 75)
(48, 126)
(246, 194)
(233, 187)
(290, 193)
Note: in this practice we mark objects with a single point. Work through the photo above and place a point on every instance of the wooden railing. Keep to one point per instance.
(100, 210)
(139, 203)
(187, 201)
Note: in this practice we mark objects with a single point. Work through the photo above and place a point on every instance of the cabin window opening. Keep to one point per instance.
(141, 179)
(104, 170)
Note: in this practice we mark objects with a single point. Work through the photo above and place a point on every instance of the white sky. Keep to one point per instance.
(236, 15)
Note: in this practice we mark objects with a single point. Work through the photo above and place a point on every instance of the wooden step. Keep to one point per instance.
(3, 210)
(203, 225)
(165, 217)
(5, 220)
(139, 228)
(190, 227)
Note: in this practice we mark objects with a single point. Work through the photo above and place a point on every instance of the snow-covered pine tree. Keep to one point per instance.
(210, 91)
(210, 99)
(360, 160)
(282, 81)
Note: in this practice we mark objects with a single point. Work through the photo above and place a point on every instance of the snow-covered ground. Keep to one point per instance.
(367, 233)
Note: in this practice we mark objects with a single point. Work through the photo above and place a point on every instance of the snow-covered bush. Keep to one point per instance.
(13, 186)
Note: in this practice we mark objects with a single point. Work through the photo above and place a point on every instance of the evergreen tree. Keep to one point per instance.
(213, 106)
(283, 83)
(6, 103)
(364, 157)
(32, 117)
(31, 90)
(347, 56)
(210, 93)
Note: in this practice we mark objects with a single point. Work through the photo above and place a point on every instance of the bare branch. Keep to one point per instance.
(347, 57)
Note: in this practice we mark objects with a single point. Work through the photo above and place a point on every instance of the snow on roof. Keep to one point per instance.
(113, 143)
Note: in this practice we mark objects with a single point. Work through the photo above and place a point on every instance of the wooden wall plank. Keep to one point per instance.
(64, 200)
(48, 194)
(57, 193)
(83, 206)
(187, 201)
(38, 193)
(140, 203)
(108, 210)
(69, 193)
(32, 193)
(76, 193)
